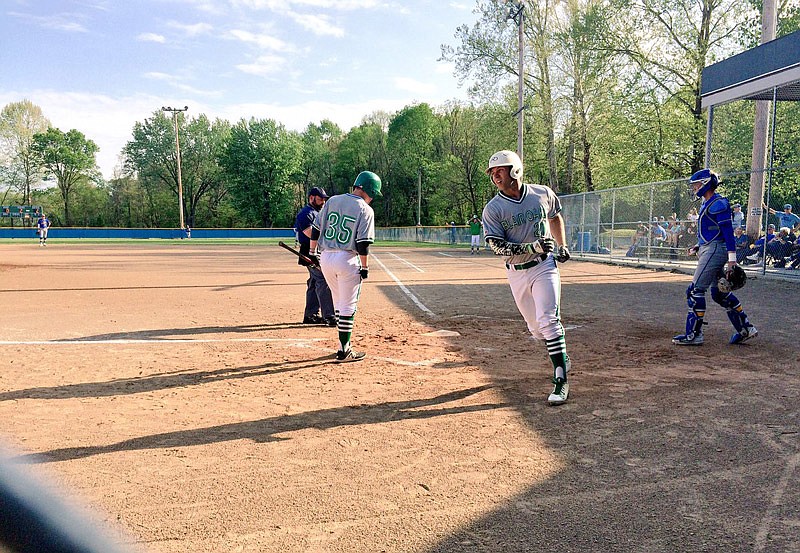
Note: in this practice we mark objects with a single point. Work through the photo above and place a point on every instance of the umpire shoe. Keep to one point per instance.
(688, 339)
(744, 335)
(330, 321)
(349, 356)
(313, 320)
(560, 392)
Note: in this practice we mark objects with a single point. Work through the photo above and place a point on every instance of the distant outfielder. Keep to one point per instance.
(43, 225)
(523, 223)
(344, 230)
(716, 264)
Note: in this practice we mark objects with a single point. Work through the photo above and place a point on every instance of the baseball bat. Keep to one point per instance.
(298, 254)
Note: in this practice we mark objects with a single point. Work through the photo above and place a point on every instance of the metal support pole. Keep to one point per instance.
(178, 158)
(517, 14)
(769, 174)
(709, 133)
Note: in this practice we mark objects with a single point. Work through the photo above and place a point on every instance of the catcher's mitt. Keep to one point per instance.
(732, 279)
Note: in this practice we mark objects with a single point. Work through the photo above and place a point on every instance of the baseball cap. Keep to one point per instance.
(319, 192)
(787, 206)
(737, 205)
(771, 226)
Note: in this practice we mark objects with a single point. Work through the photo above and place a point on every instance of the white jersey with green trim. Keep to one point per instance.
(344, 220)
(521, 221)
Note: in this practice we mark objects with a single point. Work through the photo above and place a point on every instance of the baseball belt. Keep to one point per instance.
(528, 264)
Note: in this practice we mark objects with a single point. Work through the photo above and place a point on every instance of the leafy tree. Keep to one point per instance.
(410, 143)
(19, 121)
(320, 144)
(70, 157)
(669, 42)
(201, 174)
(260, 158)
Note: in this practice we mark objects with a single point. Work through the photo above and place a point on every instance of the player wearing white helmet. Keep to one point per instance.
(523, 223)
(344, 230)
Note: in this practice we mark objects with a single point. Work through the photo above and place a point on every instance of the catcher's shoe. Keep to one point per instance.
(560, 392)
(688, 339)
(349, 356)
(743, 335)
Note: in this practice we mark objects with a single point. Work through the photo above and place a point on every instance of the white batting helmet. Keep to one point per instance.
(506, 158)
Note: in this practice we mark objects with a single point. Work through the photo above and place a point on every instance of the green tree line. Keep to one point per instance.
(611, 95)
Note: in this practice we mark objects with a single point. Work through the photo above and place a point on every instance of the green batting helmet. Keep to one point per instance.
(370, 183)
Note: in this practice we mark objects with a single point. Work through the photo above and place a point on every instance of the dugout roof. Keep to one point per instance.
(756, 74)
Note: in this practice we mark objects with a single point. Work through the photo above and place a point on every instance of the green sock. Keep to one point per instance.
(345, 330)
(557, 350)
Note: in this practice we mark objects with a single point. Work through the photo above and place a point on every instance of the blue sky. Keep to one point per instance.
(101, 65)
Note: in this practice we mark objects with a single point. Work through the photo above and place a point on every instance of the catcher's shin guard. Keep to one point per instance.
(738, 317)
(696, 300)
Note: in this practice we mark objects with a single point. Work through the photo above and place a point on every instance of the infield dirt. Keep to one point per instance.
(172, 388)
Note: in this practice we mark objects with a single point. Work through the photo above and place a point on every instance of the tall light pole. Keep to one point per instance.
(178, 157)
(516, 12)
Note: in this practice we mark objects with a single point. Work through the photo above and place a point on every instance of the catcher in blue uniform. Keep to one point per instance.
(716, 264)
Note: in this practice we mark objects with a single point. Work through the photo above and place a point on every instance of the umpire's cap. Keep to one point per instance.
(319, 192)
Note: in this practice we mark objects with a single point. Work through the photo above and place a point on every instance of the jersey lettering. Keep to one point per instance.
(339, 228)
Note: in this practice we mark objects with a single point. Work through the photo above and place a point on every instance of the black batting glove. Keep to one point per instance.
(542, 246)
(364, 272)
(562, 254)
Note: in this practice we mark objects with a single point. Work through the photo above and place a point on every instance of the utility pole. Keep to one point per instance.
(175, 112)
(760, 130)
(516, 12)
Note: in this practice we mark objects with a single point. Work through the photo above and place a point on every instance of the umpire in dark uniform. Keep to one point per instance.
(318, 295)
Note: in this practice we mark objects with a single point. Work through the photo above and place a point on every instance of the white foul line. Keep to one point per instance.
(405, 290)
(406, 262)
(69, 341)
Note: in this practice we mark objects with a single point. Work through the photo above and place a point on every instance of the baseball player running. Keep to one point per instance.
(344, 230)
(523, 223)
(716, 257)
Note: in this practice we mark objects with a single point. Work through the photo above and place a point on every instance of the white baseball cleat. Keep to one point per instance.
(560, 392)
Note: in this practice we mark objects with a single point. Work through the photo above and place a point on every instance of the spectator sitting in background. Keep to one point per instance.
(742, 244)
(659, 234)
(757, 247)
(691, 221)
(675, 230)
(780, 247)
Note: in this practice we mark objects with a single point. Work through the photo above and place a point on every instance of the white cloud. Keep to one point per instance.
(151, 37)
(263, 41)
(414, 86)
(59, 22)
(317, 24)
(264, 65)
(191, 30)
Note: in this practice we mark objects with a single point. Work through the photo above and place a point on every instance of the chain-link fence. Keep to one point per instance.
(655, 223)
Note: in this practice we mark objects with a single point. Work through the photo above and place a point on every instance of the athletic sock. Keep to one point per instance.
(345, 323)
(557, 350)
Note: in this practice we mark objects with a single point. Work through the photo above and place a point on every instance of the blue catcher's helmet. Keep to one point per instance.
(708, 181)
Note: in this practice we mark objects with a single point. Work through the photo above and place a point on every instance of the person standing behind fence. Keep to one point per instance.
(475, 235)
(785, 218)
(345, 229)
(43, 225)
(716, 257)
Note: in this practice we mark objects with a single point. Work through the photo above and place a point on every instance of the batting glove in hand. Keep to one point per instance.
(315, 259)
(542, 245)
(364, 272)
(562, 254)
